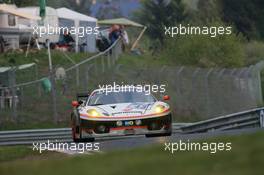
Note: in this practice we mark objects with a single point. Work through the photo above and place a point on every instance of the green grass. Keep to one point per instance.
(21, 153)
(10, 125)
(15, 152)
(246, 157)
(41, 59)
(145, 60)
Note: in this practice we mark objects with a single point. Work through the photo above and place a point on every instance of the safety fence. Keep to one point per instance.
(200, 93)
(196, 93)
(35, 102)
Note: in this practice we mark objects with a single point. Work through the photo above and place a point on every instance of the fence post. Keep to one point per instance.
(207, 91)
(193, 86)
(261, 118)
(77, 76)
(53, 87)
(257, 74)
(249, 82)
(37, 76)
(87, 75)
(103, 65)
(108, 59)
(21, 99)
(13, 92)
(178, 90)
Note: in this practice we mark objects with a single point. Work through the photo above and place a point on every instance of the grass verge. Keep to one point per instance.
(246, 157)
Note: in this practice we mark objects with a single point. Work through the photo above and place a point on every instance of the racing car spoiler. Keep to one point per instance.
(82, 96)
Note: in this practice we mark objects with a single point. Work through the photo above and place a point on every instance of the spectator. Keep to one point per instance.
(125, 39)
(114, 34)
(68, 38)
(66, 41)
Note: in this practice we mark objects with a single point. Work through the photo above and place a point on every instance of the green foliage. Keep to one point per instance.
(157, 15)
(108, 11)
(204, 51)
(207, 11)
(20, 3)
(254, 52)
(82, 6)
(246, 15)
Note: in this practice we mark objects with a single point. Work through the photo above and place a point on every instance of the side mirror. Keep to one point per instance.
(166, 97)
(75, 103)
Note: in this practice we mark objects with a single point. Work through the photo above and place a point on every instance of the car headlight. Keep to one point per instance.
(159, 108)
(93, 113)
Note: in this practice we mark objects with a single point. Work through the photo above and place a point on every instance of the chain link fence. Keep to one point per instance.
(200, 93)
(30, 102)
(196, 93)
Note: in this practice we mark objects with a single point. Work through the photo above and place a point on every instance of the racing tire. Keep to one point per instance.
(76, 131)
(74, 135)
(168, 133)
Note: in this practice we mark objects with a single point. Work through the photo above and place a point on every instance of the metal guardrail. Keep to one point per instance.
(18, 137)
(246, 119)
(27, 137)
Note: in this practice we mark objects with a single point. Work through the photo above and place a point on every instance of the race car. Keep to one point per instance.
(119, 114)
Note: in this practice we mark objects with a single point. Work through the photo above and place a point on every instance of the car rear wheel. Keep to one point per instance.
(168, 128)
(74, 138)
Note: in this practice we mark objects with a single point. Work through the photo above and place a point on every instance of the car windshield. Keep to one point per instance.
(100, 98)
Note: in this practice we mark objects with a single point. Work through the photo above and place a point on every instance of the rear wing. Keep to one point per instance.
(82, 96)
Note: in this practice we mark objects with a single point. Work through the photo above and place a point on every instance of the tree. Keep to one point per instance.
(20, 3)
(208, 11)
(158, 14)
(82, 6)
(107, 11)
(246, 15)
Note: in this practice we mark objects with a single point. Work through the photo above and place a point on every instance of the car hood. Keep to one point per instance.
(122, 109)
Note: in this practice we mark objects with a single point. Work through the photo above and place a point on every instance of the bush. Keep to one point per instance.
(254, 52)
(204, 51)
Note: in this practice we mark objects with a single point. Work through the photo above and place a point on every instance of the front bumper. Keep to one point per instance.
(157, 125)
